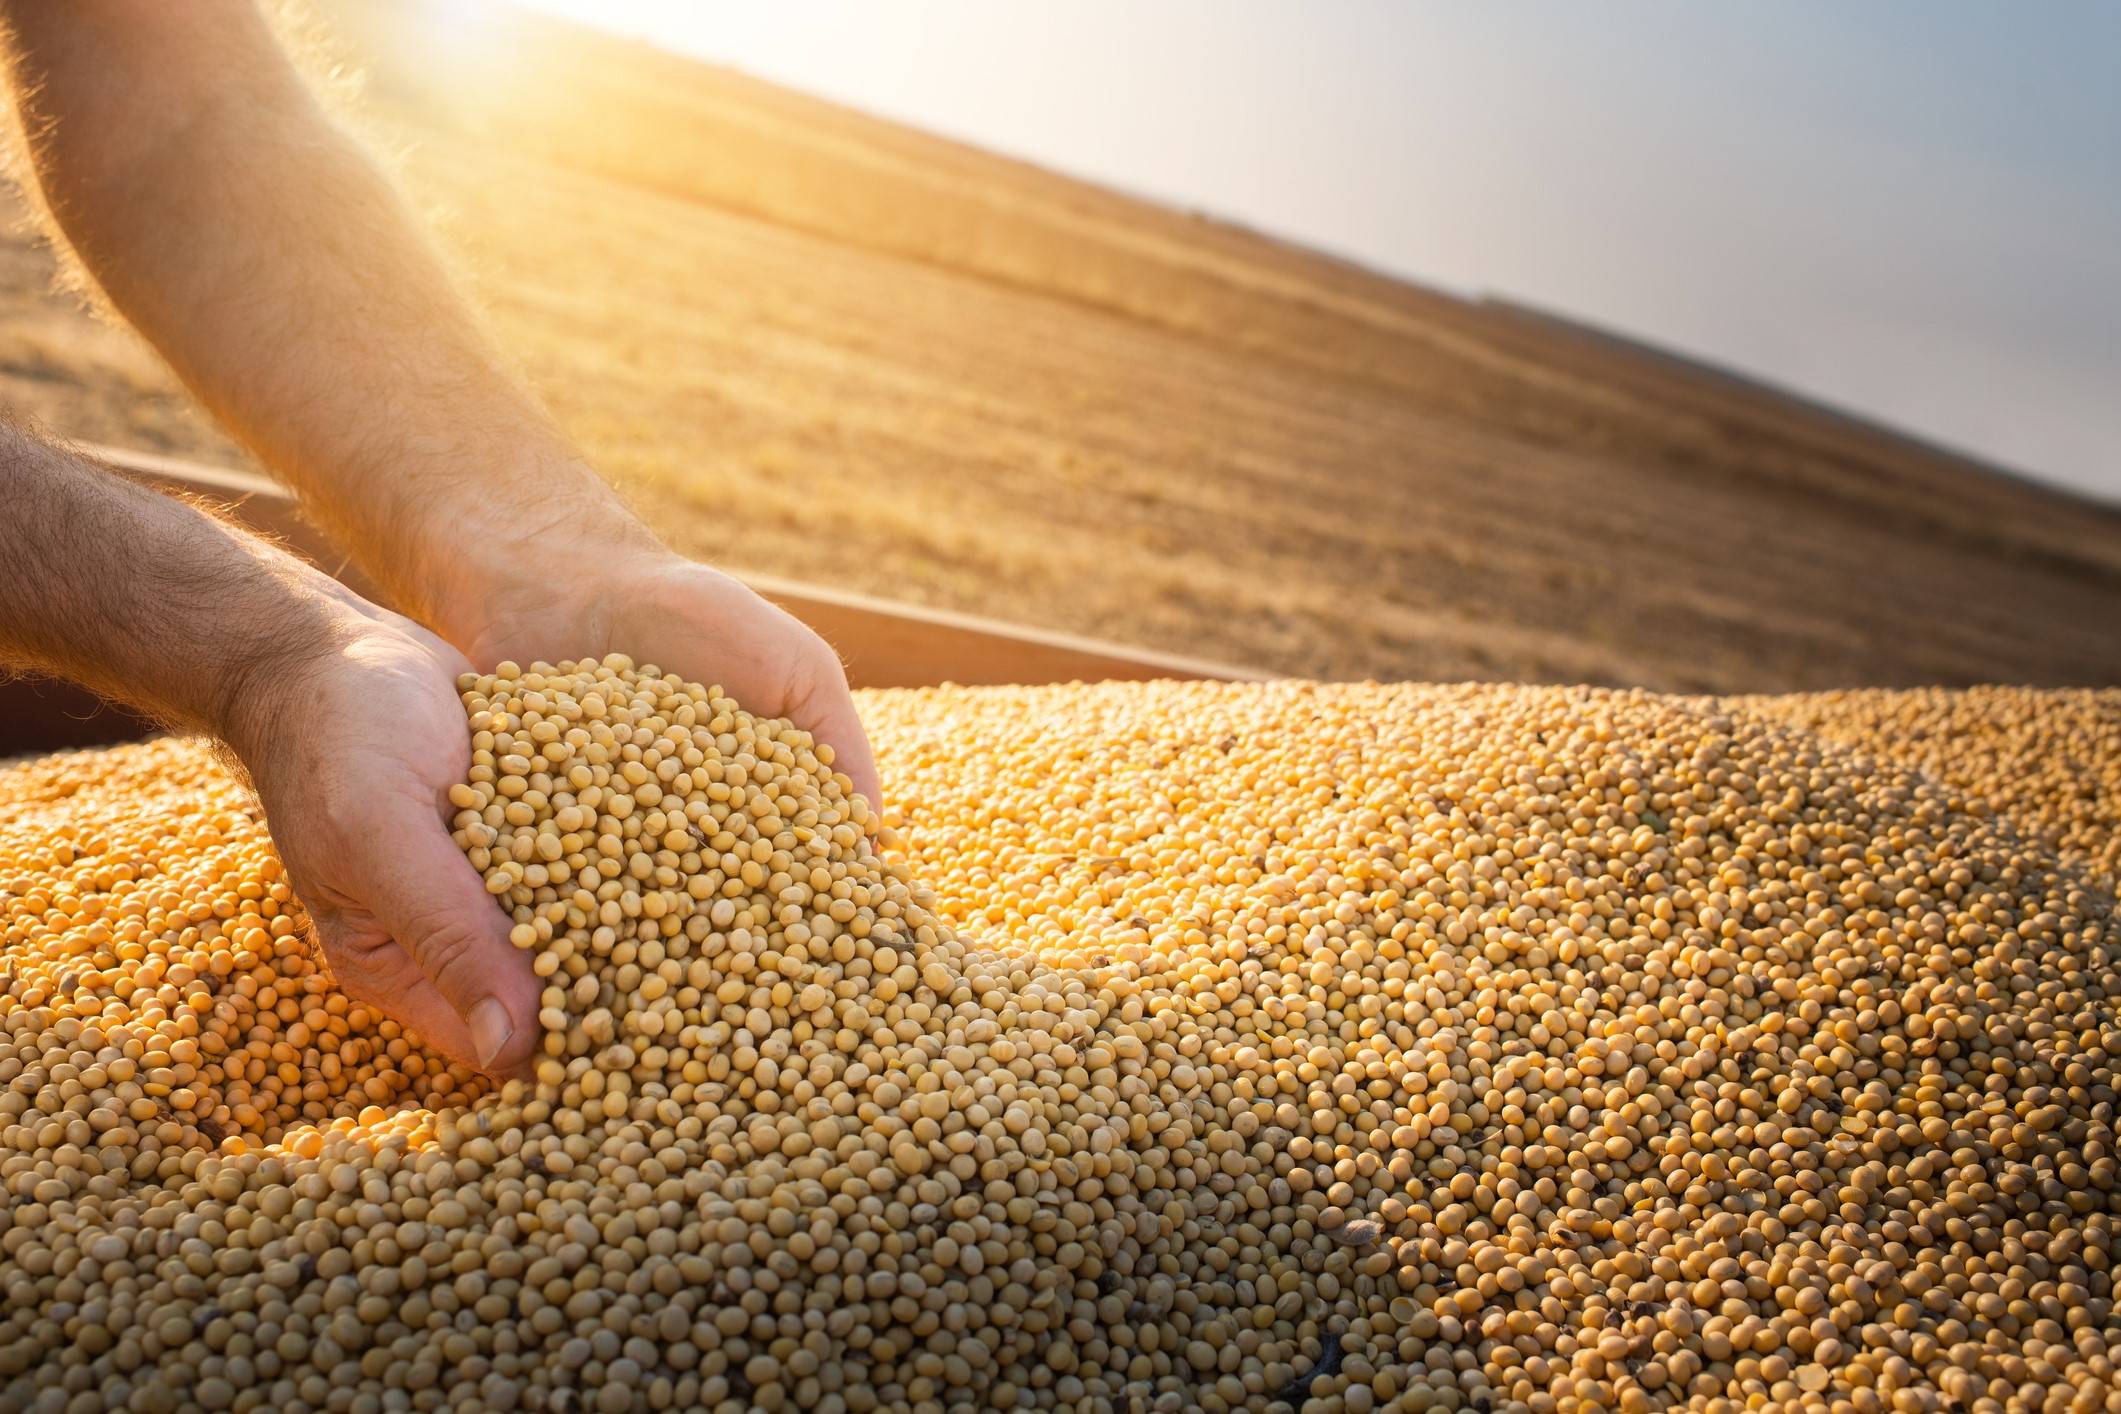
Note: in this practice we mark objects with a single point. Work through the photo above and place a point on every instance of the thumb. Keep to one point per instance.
(435, 906)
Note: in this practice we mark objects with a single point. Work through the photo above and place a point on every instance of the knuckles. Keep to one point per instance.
(452, 952)
(363, 960)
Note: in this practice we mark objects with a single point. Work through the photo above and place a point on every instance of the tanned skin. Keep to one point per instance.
(259, 249)
(345, 717)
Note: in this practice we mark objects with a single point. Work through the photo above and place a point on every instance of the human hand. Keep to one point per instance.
(687, 619)
(352, 754)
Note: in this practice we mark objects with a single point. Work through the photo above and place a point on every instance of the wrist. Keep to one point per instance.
(560, 546)
(261, 697)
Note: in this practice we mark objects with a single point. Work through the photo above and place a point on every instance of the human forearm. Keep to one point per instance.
(148, 600)
(344, 715)
(261, 251)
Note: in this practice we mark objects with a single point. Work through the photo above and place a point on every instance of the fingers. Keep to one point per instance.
(430, 900)
(373, 970)
(824, 707)
(836, 724)
(782, 667)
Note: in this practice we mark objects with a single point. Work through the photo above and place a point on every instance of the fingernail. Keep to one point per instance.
(490, 1028)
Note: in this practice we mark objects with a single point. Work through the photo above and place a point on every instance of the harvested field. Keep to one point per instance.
(780, 325)
(1191, 1046)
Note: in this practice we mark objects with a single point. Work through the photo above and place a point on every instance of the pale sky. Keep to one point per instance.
(1908, 208)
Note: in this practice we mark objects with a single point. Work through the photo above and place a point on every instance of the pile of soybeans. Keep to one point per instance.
(1178, 1047)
